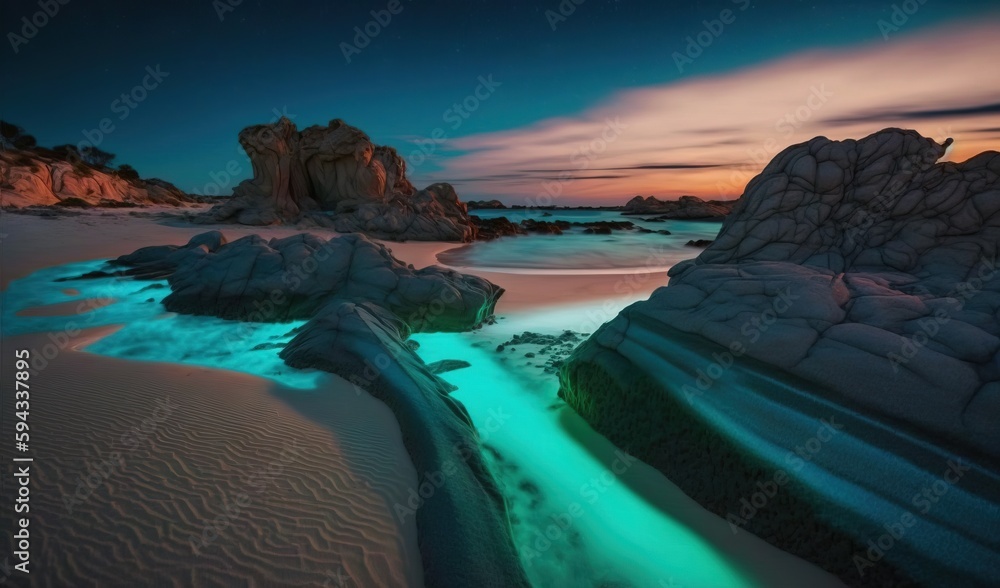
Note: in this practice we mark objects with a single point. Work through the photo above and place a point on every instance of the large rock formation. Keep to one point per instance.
(362, 304)
(334, 176)
(836, 350)
(39, 177)
(684, 208)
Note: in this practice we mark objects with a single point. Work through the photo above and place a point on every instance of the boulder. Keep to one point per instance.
(361, 304)
(335, 176)
(853, 280)
(684, 208)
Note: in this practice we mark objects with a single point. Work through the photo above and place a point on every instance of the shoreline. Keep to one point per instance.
(595, 296)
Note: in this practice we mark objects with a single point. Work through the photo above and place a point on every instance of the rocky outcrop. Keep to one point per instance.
(684, 208)
(485, 205)
(494, 228)
(33, 178)
(463, 529)
(835, 350)
(362, 304)
(335, 177)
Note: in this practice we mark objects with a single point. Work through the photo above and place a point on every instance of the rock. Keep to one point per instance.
(699, 243)
(485, 205)
(291, 278)
(544, 227)
(361, 304)
(42, 177)
(335, 177)
(466, 514)
(447, 365)
(853, 280)
(494, 228)
(489, 229)
(684, 208)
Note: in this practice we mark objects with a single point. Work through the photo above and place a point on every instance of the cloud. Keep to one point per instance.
(951, 113)
(720, 130)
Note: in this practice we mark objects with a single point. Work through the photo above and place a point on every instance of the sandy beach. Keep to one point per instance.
(214, 477)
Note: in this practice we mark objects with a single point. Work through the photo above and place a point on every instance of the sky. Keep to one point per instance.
(563, 102)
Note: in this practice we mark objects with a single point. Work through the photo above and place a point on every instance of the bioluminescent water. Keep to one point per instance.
(147, 331)
(581, 510)
(577, 518)
(579, 252)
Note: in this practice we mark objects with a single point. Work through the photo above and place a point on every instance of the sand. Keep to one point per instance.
(198, 477)
(325, 517)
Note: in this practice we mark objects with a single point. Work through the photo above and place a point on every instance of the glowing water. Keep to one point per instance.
(585, 525)
(578, 518)
(147, 331)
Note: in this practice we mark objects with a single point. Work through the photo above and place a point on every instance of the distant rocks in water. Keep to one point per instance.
(336, 177)
(485, 205)
(65, 176)
(488, 229)
(701, 243)
(360, 305)
(851, 303)
(684, 208)
(544, 227)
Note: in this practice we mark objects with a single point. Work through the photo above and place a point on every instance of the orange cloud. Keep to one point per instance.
(709, 135)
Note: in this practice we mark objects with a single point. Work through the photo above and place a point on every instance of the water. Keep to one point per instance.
(582, 513)
(577, 252)
(580, 516)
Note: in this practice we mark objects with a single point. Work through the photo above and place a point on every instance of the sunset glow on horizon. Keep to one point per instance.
(709, 135)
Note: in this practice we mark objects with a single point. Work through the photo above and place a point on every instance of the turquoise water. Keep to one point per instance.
(580, 517)
(582, 513)
(147, 332)
(577, 252)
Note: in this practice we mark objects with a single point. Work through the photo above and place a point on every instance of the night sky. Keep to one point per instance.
(265, 58)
